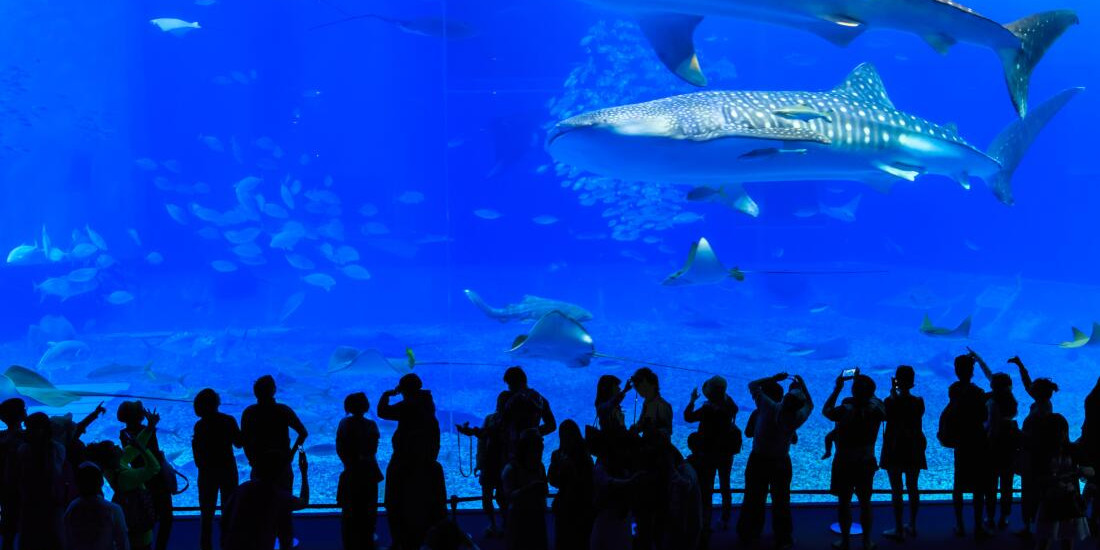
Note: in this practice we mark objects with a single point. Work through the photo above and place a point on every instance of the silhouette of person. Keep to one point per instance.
(613, 486)
(654, 426)
(91, 522)
(903, 450)
(261, 510)
(684, 527)
(266, 425)
(1061, 515)
(1089, 448)
(68, 434)
(610, 439)
(717, 429)
(769, 470)
(1004, 442)
(357, 493)
(214, 437)
(12, 412)
(571, 473)
(128, 480)
(447, 535)
(524, 409)
(39, 464)
(1034, 456)
(963, 428)
(132, 414)
(525, 489)
(415, 495)
(857, 419)
(491, 455)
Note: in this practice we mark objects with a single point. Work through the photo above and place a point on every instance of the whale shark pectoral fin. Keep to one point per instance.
(963, 179)
(838, 35)
(671, 35)
(940, 42)
(735, 196)
(842, 20)
(899, 171)
(778, 134)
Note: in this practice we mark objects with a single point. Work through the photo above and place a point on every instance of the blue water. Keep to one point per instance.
(388, 142)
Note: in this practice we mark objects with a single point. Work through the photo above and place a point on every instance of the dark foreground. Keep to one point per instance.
(811, 522)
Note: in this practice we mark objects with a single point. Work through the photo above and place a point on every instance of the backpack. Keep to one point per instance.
(137, 508)
(948, 433)
(736, 439)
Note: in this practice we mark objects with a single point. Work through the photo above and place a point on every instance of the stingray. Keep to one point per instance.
(431, 26)
(557, 337)
(837, 348)
(704, 268)
(28, 383)
(1080, 339)
(961, 331)
(373, 361)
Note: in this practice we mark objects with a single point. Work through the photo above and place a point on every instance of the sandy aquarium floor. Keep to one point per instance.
(176, 364)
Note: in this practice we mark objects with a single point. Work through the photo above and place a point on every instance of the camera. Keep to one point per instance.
(848, 374)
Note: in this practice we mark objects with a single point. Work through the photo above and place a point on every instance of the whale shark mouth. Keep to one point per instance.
(560, 130)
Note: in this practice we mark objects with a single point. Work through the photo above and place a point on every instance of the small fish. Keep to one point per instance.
(287, 196)
(21, 254)
(819, 308)
(82, 275)
(545, 219)
(134, 236)
(95, 238)
(410, 197)
(176, 213)
(487, 214)
(223, 266)
(687, 217)
(172, 165)
(146, 164)
(83, 251)
(970, 244)
(104, 261)
(803, 113)
(178, 27)
(368, 210)
(154, 258)
(212, 143)
(241, 236)
(292, 303)
(356, 272)
(120, 297)
(311, 94)
(273, 210)
(320, 280)
(247, 250)
(297, 261)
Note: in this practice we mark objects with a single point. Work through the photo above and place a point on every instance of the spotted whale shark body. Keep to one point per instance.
(852, 132)
(670, 24)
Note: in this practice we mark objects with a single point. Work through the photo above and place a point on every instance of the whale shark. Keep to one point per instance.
(669, 25)
(718, 137)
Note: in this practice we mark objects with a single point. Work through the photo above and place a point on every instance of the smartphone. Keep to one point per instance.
(849, 374)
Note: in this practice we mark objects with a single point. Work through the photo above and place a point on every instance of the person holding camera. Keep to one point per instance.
(774, 427)
(415, 494)
(719, 441)
(857, 419)
(903, 449)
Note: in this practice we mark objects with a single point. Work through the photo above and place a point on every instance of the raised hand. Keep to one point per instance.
(694, 394)
(779, 377)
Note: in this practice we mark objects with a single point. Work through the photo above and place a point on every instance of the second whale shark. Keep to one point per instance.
(670, 24)
(852, 133)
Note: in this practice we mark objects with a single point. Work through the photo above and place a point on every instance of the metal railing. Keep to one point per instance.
(455, 500)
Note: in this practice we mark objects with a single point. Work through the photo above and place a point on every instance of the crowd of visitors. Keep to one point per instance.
(618, 486)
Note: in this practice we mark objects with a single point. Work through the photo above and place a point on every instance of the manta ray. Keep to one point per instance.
(961, 331)
(670, 24)
(1080, 339)
(722, 137)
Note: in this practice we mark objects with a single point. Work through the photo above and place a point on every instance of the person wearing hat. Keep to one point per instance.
(415, 495)
(133, 415)
(719, 442)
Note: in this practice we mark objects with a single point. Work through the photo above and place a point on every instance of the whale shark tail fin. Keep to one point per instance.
(671, 35)
(1010, 146)
(1036, 33)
